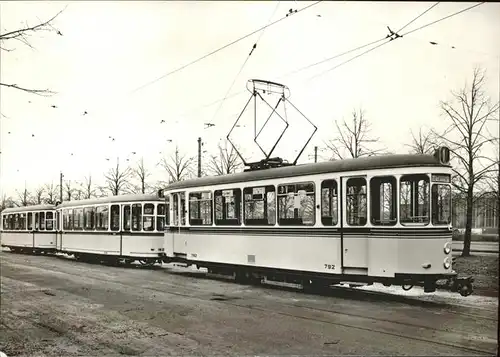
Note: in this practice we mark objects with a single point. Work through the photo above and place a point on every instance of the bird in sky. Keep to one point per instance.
(163, 121)
(53, 106)
(208, 125)
(433, 43)
(85, 113)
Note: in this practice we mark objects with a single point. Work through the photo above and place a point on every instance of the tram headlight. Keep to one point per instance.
(447, 248)
(447, 263)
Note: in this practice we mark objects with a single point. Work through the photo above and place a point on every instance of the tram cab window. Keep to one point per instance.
(126, 218)
(136, 217)
(49, 221)
(161, 217)
(414, 199)
(89, 218)
(148, 219)
(227, 207)
(356, 205)
(441, 204)
(296, 204)
(259, 207)
(200, 208)
(383, 201)
(115, 218)
(329, 203)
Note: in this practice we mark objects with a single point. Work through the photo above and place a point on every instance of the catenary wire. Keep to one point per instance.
(244, 63)
(390, 40)
(219, 49)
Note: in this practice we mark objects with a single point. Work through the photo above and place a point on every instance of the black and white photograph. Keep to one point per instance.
(249, 178)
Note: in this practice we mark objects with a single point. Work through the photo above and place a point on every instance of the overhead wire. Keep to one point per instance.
(220, 48)
(398, 36)
(340, 55)
(244, 63)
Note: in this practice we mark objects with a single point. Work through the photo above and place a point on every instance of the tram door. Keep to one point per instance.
(354, 220)
(177, 243)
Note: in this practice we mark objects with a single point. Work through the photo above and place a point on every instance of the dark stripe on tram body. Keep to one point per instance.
(349, 232)
(158, 234)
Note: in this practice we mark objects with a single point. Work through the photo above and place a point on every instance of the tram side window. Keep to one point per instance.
(356, 205)
(441, 204)
(42, 221)
(259, 205)
(102, 218)
(126, 218)
(78, 219)
(227, 207)
(30, 221)
(200, 208)
(115, 218)
(37, 223)
(414, 199)
(148, 219)
(22, 221)
(5, 224)
(161, 217)
(11, 221)
(383, 201)
(89, 218)
(49, 221)
(16, 222)
(136, 217)
(296, 204)
(329, 203)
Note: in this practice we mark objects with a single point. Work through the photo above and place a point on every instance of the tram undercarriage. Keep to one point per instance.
(316, 281)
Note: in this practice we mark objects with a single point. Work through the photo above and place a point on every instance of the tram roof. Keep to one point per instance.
(110, 199)
(31, 208)
(358, 164)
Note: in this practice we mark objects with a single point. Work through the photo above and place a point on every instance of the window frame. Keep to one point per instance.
(265, 221)
(450, 203)
(375, 194)
(324, 186)
(236, 193)
(366, 204)
(295, 221)
(428, 205)
(201, 202)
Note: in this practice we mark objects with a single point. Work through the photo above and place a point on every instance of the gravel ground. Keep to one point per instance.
(59, 307)
(484, 269)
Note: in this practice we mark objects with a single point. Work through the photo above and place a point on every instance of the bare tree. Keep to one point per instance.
(422, 144)
(178, 166)
(141, 173)
(354, 139)
(24, 198)
(38, 197)
(68, 190)
(89, 188)
(117, 180)
(6, 202)
(226, 162)
(51, 193)
(22, 35)
(467, 136)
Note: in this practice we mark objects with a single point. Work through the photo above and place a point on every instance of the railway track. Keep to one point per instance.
(382, 325)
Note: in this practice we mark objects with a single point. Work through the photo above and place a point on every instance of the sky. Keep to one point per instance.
(111, 55)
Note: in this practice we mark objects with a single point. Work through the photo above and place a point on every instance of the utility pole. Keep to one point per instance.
(61, 186)
(199, 157)
(315, 154)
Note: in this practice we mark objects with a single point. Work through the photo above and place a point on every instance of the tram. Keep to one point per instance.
(29, 229)
(380, 219)
(116, 228)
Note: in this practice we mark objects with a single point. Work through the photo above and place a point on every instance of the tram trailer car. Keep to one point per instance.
(116, 228)
(380, 219)
(29, 229)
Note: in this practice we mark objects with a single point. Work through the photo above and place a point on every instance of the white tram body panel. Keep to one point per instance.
(384, 246)
(30, 227)
(124, 226)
